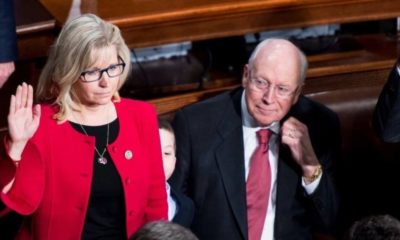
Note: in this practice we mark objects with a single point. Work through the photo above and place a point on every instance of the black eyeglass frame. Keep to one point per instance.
(101, 71)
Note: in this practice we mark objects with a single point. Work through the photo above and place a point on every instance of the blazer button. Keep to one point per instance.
(114, 149)
(128, 180)
(80, 208)
(131, 213)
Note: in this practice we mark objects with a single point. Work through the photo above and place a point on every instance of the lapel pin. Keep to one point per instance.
(128, 154)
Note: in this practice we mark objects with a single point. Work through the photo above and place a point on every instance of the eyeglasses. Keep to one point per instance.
(279, 90)
(112, 71)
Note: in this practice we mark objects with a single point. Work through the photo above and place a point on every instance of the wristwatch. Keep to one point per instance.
(317, 173)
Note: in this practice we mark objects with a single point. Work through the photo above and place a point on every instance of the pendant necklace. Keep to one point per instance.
(101, 159)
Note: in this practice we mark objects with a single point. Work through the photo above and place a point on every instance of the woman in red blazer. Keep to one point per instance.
(84, 163)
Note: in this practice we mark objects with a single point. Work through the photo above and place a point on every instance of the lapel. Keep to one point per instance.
(287, 181)
(230, 159)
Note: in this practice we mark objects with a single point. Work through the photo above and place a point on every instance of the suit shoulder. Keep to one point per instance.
(308, 107)
(48, 111)
(212, 107)
(48, 108)
(213, 102)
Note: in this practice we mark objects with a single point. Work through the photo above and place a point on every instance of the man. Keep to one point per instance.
(217, 145)
(8, 40)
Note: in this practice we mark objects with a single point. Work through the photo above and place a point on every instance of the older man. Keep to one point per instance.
(257, 161)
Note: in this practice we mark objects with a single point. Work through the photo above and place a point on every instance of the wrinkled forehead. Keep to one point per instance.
(103, 56)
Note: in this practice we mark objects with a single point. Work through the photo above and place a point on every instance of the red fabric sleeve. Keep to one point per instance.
(27, 190)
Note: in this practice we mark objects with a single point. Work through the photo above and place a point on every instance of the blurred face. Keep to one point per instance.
(168, 152)
(272, 84)
(94, 91)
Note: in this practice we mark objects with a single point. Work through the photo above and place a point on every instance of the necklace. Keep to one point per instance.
(101, 159)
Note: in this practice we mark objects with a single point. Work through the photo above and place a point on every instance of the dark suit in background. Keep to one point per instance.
(8, 36)
(387, 110)
(210, 169)
(8, 40)
(8, 53)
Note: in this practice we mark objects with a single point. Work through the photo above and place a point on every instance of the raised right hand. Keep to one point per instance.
(23, 121)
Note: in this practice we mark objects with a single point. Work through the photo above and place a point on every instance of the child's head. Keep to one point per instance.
(375, 227)
(167, 139)
(162, 230)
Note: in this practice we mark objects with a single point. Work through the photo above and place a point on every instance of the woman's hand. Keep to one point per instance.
(23, 121)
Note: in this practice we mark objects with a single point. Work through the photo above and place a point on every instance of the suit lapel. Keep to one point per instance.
(287, 183)
(230, 160)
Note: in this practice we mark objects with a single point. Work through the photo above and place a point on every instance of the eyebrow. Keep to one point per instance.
(279, 84)
(97, 68)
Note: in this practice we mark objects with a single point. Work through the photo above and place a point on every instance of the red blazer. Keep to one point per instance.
(52, 183)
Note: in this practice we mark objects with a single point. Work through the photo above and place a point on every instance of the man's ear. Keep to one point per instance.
(297, 94)
(245, 76)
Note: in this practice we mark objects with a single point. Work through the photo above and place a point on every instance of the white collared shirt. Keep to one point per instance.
(250, 127)
(172, 208)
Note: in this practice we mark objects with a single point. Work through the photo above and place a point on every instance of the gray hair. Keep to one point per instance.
(71, 54)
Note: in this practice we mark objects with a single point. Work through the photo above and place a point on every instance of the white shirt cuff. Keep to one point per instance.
(172, 208)
(310, 188)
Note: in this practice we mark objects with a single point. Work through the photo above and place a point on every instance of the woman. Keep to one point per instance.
(84, 164)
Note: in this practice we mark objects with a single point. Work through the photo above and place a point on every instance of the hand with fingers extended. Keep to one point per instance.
(23, 120)
(295, 135)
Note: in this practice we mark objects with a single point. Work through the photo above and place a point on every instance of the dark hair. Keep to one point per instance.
(164, 124)
(380, 227)
(162, 230)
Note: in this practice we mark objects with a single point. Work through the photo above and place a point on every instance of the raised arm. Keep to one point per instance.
(23, 121)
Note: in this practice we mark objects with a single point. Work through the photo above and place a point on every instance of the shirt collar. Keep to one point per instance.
(168, 188)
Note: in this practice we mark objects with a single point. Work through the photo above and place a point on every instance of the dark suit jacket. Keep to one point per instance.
(185, 205)
(387, 110)
(210, 169)
(8, 36)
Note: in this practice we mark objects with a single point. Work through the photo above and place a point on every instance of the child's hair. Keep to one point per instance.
(164, 124)
(161, 230)
(376, 227)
